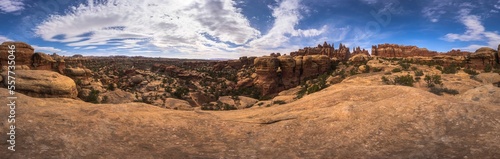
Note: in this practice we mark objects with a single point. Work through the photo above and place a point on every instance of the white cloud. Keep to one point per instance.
(187, 28)
(287, 16)
(4, 39)
(45, 49)
(205, 26)
(475, 31)
(11, 5)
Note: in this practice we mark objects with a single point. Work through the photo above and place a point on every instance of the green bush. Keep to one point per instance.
(111, 87)
(419, 73)
(386, 80)
(367, 70)
(404, 65)
(451, 69)
(93, 96)
(395, 70)
(433, 80)
(440, 91)
(488, 68)
(471, 71)
(414, 68)
(406, 80)
(439, 68)
(376, 69)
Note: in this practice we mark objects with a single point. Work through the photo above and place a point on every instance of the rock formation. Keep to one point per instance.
(44, 84)
(23, 53)
(393, 50)
(275, 74)
(483, 57)
(328, 50)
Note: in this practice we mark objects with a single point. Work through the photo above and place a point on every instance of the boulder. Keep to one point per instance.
(482, 58)
(23, 53)
(118, 96)
(487, 78)
(484, 94)
(177, 104)
(137, 79)
(44, 84)
(287, 69)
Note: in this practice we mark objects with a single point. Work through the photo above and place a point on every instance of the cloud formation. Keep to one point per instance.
(8, 6)
(475, 31)
(189, 26)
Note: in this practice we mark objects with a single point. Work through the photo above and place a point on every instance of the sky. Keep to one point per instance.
(209, 29)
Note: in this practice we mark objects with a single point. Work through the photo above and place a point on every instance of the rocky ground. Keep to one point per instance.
(341, 121)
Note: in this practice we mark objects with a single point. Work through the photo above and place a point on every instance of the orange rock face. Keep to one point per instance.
(23, 53)
(393, 50)
(275, 74)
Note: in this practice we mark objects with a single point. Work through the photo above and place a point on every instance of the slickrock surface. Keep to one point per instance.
(341, 121)
(43, 83)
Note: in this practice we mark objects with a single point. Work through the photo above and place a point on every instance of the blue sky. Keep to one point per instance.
(206, 29)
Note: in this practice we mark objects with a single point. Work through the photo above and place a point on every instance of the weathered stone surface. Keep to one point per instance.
(393, 50)
(482, 58)
(388, 121)
(177, 104)
(487, 78)
(118, 96)
(275, 74)
(23, 53)
(44, 84)
(359, 59)
(137, 79)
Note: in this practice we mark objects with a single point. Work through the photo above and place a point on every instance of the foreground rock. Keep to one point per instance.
(23, 53)
(45, 84)
(342, 121)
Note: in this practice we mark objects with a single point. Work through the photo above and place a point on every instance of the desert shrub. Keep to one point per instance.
(302, 92)
(279, 102)
(418, 79)
(440, 91)
(386, 80)
(419, 73)
(471, 71)
(313, 88)
(367, 70)
(406, 80)
(353, 71)
(260, 104)
(111, 87)
(451, 69)
(404, 65)
(439, 68)
(78, 82)
(414, 68)
(93, 96)
(388, 73)
(180, 92)
(488, 68)
(376, 69)
(395, 70)
(105, 99)
(433, 80)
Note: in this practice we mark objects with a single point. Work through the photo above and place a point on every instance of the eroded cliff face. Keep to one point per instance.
(23, 54)
(275, 74)
(393, 50)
